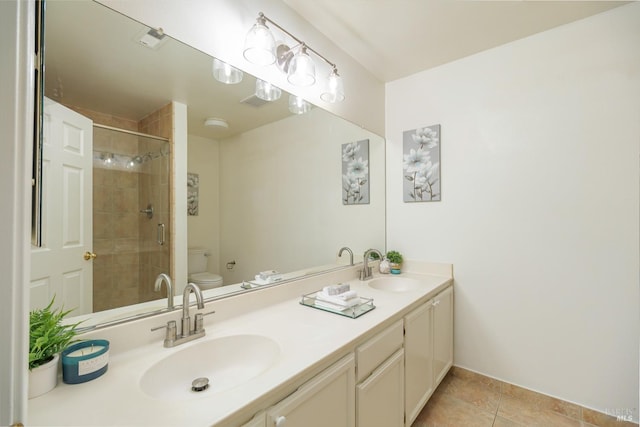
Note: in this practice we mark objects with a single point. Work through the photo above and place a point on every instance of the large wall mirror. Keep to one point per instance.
(265, 192)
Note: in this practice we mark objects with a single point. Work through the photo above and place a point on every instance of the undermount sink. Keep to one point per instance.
(395, 284)
(226, 362)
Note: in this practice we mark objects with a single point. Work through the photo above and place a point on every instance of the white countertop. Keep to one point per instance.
(308, 339)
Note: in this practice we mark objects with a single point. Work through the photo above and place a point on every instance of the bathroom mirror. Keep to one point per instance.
(269, 186)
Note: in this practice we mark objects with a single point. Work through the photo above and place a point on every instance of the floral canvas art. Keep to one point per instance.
(355, 173)
(193, 186)
(421, 164)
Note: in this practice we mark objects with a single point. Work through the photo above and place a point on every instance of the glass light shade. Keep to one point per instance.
(259, 45)
(335, 89)
(108, 159)
(267, 91)
(297, 105)
(302, 70)
(225, 73)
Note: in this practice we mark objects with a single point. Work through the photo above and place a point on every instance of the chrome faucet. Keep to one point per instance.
(350, 254)
(185, 330)
(365, 273)
(187, 334)
(164, 278)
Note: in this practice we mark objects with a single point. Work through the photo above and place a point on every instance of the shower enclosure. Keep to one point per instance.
(131, 183)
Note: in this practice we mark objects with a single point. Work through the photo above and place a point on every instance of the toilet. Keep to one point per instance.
(197, 269)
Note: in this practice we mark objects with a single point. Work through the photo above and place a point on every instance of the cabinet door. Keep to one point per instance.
(326, 400)
(442, 334)
(380, 399)
(418, 360)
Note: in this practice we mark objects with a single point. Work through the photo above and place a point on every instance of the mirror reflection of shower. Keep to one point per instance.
(130, 173)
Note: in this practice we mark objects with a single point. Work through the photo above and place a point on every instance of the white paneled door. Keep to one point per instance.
(59, 267)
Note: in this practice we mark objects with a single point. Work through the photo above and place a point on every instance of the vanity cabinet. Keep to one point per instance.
(380, 376)
(418, 359)
(386, 383)
(326, 400)
(380, 398)
(442, 334)
(428, 345)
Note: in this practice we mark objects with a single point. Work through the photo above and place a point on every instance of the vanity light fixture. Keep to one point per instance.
(335, 88)
(134, 161)
(108, 158)
(297, 105)
(259, 45)
(225, 73)
(302, 70)
(260, 48)
(266, 91)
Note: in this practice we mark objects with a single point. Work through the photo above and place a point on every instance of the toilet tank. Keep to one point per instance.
(197, 260)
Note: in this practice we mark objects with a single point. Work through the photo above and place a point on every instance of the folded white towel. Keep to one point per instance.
(259, 281)
(343, 296)
(336, 289)
(320, 296)
(330, 306)
(264, 275)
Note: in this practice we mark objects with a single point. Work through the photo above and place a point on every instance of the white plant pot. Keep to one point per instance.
(44, 378)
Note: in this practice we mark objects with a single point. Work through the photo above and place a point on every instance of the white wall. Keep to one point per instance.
(16, 126)
(204, 228)
(539, 211)
(280, 196)
(219, 27)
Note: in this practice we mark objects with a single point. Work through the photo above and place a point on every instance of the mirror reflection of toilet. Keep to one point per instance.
(197, 269)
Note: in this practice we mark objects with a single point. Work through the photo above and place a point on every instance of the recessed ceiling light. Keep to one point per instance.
(216, 122)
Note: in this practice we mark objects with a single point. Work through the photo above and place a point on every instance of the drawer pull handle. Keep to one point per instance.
(281, 421)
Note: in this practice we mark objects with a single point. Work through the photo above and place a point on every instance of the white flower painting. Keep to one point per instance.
(355, 173)
(421, 164)
(193, 186)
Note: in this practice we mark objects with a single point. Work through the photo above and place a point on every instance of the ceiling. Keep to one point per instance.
(390, 38)
(396, 38)
(93, 60)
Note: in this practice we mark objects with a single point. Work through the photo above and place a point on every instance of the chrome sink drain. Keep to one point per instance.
(200, 384)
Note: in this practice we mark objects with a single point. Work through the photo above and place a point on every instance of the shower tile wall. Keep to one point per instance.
(154, 186)
(115, 226)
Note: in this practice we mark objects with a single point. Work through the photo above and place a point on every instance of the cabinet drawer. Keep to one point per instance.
(326, 400)
(378, 349)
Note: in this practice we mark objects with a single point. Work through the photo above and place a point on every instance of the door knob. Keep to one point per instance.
(89, 255)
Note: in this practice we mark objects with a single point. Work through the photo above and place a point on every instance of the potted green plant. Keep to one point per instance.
(48, 336)
(395, 261)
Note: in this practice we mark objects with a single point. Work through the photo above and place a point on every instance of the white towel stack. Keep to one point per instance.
(269, 274)
(267, 277)
(337, 297)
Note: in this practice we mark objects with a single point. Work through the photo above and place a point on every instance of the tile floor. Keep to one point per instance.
(467, 399)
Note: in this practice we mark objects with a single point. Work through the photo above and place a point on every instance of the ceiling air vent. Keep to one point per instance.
(254, 101)
(152, 38)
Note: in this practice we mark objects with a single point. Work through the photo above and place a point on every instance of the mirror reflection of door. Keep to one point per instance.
(102, 244)
(58, 268)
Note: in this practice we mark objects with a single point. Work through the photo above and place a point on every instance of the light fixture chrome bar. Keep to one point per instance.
(263, 16)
